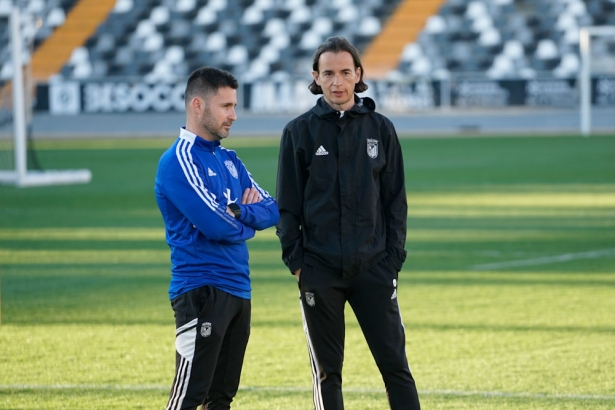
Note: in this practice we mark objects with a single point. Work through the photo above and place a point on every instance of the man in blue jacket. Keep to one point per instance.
(210, 205)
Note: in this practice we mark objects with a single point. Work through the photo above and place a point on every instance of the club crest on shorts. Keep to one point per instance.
(231, 168)
(309, 298)
(206, 329)
(372, 148)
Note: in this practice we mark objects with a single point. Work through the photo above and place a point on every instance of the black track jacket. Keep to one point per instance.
(341, 190)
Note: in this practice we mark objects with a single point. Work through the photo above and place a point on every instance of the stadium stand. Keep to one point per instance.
(41, 19)
(503, 38)
(163, 40)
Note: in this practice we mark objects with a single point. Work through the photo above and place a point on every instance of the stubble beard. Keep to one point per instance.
(208, 123)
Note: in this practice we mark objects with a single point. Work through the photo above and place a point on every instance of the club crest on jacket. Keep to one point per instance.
(372, 148)
(231, 168)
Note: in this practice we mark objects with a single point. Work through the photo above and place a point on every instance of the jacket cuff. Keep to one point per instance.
(398, 260)
(297, 264)
(398, 264)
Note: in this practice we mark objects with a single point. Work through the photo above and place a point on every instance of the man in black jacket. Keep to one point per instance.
(342, 200)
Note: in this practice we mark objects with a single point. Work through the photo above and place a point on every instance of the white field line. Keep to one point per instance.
(546, 259)
(149, 387)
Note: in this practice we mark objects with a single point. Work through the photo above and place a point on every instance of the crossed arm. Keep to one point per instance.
(250, 196)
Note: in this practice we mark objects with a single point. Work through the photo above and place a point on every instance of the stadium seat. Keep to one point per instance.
(215, 42)
(369, 26)
(185, 6)
(503, 67)
(123, 6)
(237, 55)
(568, 67)
(513, 49)
(5, 8)
(323, 25)
(310, 40)
(436, 24)
(546, 50)
(301, 14)
(153, 42)
(347, 14)
(56, 17)
(205, 16)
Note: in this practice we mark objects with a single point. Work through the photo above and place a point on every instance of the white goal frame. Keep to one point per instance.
(585, 89)
(21, 176)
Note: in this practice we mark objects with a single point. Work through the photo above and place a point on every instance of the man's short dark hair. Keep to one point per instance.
(336, 45)
(205, 81)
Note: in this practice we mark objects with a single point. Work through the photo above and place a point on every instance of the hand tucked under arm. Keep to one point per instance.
(250, 196)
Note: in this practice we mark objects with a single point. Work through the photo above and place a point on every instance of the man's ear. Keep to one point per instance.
(315, 75)
(197, 104)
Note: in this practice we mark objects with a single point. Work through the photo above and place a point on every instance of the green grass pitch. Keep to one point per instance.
(507, 295)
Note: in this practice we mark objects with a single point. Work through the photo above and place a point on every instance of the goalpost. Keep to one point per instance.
(20, 175)
(585, 50)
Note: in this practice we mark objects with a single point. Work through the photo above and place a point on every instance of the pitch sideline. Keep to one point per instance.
(546, 259)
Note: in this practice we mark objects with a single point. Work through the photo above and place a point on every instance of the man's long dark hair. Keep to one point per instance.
(205, 81)
(336, 45)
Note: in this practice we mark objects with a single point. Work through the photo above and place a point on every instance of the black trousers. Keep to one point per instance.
(373, 298)
(212, 331)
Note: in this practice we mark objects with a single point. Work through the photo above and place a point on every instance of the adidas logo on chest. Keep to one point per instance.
(321, 151)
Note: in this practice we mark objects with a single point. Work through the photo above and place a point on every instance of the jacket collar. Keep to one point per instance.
(198, 141)
(363, 105)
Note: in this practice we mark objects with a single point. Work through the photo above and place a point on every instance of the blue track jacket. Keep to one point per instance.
(196, 179)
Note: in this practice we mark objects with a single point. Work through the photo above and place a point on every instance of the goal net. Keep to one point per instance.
(16, 96)
(597, 75)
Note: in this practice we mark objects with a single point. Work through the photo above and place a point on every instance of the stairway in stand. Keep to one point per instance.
(80, 24)
(403, 27)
